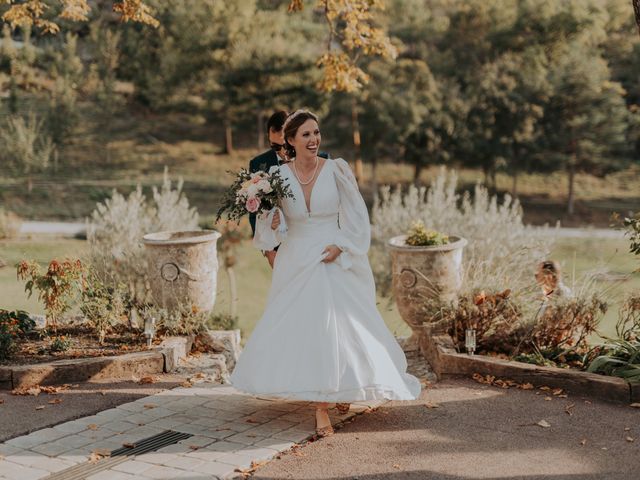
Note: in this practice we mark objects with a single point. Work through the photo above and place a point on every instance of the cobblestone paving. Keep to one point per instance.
(229, 429)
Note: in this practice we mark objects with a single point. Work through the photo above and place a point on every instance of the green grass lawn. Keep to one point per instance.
(577, 256)
(136, 148)
(253, 276)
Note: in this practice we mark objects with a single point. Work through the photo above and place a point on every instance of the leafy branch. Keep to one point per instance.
(31, 13)
(352, 25)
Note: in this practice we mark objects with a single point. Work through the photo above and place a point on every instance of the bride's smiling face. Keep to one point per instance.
(307, 139)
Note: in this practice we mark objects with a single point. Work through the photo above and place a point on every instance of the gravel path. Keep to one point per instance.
(71, 229)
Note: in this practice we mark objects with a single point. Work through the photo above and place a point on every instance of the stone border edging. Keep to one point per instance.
(439, 351)
(164, 358)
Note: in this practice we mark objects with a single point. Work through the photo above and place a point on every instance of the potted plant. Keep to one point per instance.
(426, 267)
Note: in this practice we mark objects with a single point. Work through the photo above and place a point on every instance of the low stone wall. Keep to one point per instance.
(161, 359)
(439, 351)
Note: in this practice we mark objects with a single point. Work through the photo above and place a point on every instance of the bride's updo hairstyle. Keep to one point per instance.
(291, 126)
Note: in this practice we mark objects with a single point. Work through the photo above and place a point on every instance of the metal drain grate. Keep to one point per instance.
(121, 455)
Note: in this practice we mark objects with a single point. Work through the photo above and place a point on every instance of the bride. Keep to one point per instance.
(321, 337)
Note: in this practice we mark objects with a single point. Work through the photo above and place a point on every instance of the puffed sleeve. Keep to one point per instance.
(265, 238)
(354, 234)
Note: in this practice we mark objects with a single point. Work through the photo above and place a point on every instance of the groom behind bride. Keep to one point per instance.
(274, 156)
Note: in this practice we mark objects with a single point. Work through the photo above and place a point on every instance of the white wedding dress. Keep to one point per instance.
(321, 337)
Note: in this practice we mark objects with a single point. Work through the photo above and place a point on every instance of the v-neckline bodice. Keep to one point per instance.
(304, 199)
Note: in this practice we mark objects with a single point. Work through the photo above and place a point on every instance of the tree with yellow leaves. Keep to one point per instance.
(352, 33)
(37, 12)
(351, 25)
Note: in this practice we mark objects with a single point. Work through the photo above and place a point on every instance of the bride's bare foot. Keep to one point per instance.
(323, 422)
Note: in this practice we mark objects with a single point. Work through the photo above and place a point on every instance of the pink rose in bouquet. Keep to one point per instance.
(252, 204)
(255, 192)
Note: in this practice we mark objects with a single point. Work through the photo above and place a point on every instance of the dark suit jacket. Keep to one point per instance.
(264, 162)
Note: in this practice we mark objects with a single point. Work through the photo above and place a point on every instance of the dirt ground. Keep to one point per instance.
(460, 430)
(19, 414)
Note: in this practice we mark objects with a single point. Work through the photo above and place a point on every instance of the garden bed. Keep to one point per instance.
(439, 351)
(162, 358)
(71, 342)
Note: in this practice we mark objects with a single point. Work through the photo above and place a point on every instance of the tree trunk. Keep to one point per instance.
(416, 173)
(572, 174)
(29, 184)
(494, 182)
(514, 184)
(228, 139)
(259, 130)
(13, 96)
(374, 176)
(355, 124)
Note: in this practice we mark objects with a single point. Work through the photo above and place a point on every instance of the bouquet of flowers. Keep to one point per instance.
(256, 192)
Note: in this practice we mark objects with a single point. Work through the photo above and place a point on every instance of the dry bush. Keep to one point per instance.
(502, 252)
(499, 296)
(24, 146)
(115, 232)
(187, 320)
(568, 323)
(561, 325)
(10, 224)
(628, 325)
(496, 318)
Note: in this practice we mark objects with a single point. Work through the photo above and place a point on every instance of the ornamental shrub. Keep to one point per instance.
(13, 324)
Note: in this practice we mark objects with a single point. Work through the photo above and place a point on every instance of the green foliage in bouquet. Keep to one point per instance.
(419, 236)
(253, 193)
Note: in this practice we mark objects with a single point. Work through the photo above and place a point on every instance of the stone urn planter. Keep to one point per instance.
(183, 268)
(424, 273)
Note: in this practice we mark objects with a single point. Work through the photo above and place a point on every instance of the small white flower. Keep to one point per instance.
(264, 186)
(252, 191)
